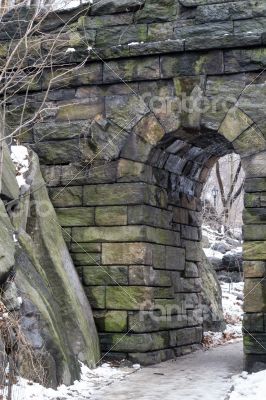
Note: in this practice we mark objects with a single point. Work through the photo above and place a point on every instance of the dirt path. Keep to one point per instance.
(204, 375)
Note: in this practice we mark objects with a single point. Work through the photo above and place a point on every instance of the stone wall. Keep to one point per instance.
(143, 98)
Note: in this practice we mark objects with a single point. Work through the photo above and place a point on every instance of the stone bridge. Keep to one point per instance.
(138, 100)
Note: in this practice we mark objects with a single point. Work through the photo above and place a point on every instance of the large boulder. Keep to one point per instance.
(47, 278)
(7, 245)
(211, 297)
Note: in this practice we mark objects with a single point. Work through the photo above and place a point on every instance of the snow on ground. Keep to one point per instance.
(249, 387)
(233, 313)
(20, 157)
(91, 381)
(213, 253)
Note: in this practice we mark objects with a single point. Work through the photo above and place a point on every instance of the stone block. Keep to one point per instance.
(96, 296)
(132, 69)
(190, 232)
(191, 270)
(255, 296)
(75, 216)
(185, 336)
(253, 322)
(136, 149)
(254, 251)
(59, 131)
(114, 6)
(158, 256)
(125, 111)
(149, 129)
(151, 357)
(254, 216)
(254, 269)
(144, 275)
(116, 194)
(242, 60)
(143, 321)
(191, 64)
(255, 165)
(234, 124)
(126, 253)
(78, 110)
(129, 297)
(111, 321)
(255, 344)
(254, 232)
(256, 185)
(68, 77)
(69, 196)
(135, 342)
(175, 258)
(249, 142)
(51, 174)
(99, 275)
(194, 251)
(166, 10)
(131, 171)
(110, 216)
(86, 258)
(180, 215)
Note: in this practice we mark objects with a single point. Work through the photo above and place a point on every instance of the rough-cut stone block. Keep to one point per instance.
(125, 111)
(86, 258)
(136, 148)
(117, 194)
(126, 253)
(96, 296)
(255, 344)
(99, 275)
(174, 258)
(191, 64)
(75, 216)
(135, 342)
(249, 142)
(255, 165)
(69, 196)
(111, 321)
(254, 232)
(114, 6)
(9, 185)
(254, 251)
(242, 60)
(110, 216)
(131, 171)
(149, 129)
(64, 130)
(132, 70)
(191, 270)
(154, 11)
(234, 124)
(63, 151)
(89, 247)
(151, 216)
(194, 250)
(253, 322)
(80, 110)
(129, 297)
(256, 185)
(185, 336)
(254, 269)
(255, 295)
(144, 275)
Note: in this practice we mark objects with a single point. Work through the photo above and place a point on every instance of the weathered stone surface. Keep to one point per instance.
(131, 70)
(254, 216)
(99, 275)
(66, 196)
(151, 216)
(133, 342)
(167, 10)
(149, 129)
(191, 64)
(254, 250)
(255, 165)
(244, 60)
(111, 321)
(7, 245)
(254, 293)
(253, 322)
(121, 35)
(234, 124)
(110, 216)
(144, 275)
(113, 7)
(57, 131)
(254, 269)
(75, 216)
(96, 296)
(126, 253)
(86, 258)
(129, 297)
(249, 142)
(125, 111)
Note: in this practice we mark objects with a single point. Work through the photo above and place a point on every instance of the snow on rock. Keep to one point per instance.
(20, 157)
(213, 253)
(232, 299)
(91, 381)
(249, 387)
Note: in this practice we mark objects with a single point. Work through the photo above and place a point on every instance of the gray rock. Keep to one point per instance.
(10, 296)
(221, 246)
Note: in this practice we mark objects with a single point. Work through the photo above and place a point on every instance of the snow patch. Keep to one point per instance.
(91, 381)
(20, 157)
(249, 387)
